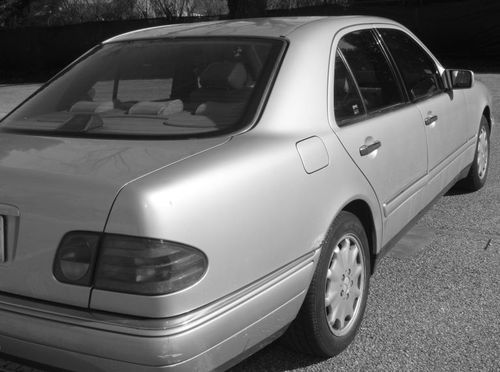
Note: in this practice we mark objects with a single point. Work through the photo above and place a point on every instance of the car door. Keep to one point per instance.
(382, 132)
(441, 110)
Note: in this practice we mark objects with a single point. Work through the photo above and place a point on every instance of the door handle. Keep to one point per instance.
(429, 120)
(367, 149)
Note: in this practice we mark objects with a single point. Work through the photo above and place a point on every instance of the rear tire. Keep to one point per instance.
(336, 299)
(478, 172)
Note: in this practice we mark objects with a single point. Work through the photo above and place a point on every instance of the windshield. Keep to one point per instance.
(172, 87)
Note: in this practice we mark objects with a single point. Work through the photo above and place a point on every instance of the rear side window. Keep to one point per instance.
(371, 69)
(417, 68)
(347, 101)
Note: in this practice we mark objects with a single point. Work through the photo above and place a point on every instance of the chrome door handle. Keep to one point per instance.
(429, 120)
(367, 149)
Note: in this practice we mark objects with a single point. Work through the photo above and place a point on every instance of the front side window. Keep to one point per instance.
(172, 87)
(417, 68)
(371, 69)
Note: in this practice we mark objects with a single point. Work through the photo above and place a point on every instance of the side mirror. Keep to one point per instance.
(458, 79)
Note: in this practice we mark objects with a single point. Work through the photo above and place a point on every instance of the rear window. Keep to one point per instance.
(171, 87)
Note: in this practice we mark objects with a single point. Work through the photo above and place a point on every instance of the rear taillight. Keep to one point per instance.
(147, 266)
(128, 264)
(76, 256)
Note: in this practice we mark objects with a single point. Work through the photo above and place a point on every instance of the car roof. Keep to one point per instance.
(257, 27)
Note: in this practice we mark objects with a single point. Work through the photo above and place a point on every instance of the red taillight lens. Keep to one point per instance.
(147, 266)
(75, 257)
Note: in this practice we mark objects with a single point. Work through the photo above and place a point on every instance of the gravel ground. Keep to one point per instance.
(435, 306)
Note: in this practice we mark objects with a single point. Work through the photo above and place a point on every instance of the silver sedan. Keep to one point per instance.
(182, 195)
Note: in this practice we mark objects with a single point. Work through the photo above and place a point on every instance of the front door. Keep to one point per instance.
(445, 128)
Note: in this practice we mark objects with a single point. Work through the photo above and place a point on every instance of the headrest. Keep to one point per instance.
(157, 108)
(222, 75)
(83, 107)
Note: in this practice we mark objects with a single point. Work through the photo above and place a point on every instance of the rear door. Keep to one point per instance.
(441, 111)
(380, 129)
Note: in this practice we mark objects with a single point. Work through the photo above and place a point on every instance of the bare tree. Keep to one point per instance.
(73, 11)
(15, 13)
(289, 4)
(59, 12)
(243, 9)
(211, 7)
(173, 8)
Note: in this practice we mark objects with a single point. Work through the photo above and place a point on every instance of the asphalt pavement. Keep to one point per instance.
(434, 302)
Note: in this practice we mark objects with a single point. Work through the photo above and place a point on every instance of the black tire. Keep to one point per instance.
(312, 332)
(476, 178)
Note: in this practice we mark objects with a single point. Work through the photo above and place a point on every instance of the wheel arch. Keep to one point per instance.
(487, 115)
(362, 210)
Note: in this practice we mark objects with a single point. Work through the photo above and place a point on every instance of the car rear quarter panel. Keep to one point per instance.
(249, 205)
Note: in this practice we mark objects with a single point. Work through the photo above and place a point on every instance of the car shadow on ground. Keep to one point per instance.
(284, 359)
(457, 190)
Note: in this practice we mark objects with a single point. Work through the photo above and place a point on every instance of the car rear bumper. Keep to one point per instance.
(201, 340)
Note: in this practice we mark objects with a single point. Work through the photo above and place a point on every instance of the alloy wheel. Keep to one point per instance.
(482, 153)
(344, 284)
